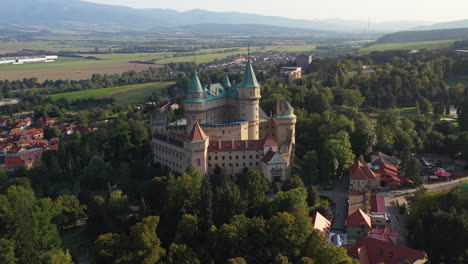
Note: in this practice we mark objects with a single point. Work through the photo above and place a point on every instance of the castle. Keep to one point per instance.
(225, 128)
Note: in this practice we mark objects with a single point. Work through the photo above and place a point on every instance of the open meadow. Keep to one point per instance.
(117, 63)
(429, 45)
(135, 93)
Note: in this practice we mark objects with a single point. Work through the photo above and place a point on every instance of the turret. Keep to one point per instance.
(285, 123)
(195, 103)
(196, 145)
(249, 100)
(227, 82)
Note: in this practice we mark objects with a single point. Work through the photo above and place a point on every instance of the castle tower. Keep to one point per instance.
(227, 82)
(196, 145)
(195, 104)
(249, 101)
(285, 123)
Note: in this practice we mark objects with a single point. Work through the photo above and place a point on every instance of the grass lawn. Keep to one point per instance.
(407, 111)
(95, 93)
(139, 94)
(429, 45)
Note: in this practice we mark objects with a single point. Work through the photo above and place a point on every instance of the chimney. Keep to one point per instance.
(219, 143)
(232, 143)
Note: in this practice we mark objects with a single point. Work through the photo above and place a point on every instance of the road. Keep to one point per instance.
(339, 195)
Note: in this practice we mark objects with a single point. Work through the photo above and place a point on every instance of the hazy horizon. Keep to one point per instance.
(400, 10)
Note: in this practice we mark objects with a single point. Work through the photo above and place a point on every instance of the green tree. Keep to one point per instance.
(144, 244)
(293, 182)
(340, 153)
(181, 254)
(309, 167)
(289, 232)
(51, 132)
(305, 260)
(313, 196)
(3, 179)
(187, 230)
(413, 170)
(236, 261)
(290, 200)
(28, 223)
(108, 248)
(206, 203)
(60, 257)
(72, 211)
(7, 251)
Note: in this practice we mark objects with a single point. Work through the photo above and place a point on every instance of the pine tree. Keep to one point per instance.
(206, 204)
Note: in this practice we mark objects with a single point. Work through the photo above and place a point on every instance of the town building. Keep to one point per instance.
(26, 60)
(304, 61)
(225, 128)
(358, 225)
(371, 250)
(292, 73)
(362, 178)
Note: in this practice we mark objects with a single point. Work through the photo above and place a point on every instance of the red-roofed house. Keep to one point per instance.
(388, 174)
(45, 121)
(274, 167)
(378, 204)
(362, 178)
(385, 234)
(374, 251)
(3, 122)
(358, 225)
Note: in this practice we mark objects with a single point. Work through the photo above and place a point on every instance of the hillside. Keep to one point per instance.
(78, 14)
(445, 25)
(213, 28)
(425, 35)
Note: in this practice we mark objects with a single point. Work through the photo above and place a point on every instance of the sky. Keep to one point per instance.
(377, 10)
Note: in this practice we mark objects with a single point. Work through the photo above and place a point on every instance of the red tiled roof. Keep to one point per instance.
(3, 120)
(386, 172)
(378, 251)
(388, 166)
(357, 218)
(235, 145)
(361, 172)
(197, 134)
(378, 204)
(270, 154)
(270, 141)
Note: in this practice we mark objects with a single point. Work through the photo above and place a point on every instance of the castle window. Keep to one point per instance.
(250, 163)
(243, 156)
(256, 163)
(209, 165)
(250, 156)
(216, 157)
(209, 158)
(237, 164)
(237, 157)
(230, 157)
(257, 156)
(223, 157)
(243, 164)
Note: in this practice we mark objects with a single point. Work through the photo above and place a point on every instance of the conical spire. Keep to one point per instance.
(249, 80)
(195, 86)
(227, 83)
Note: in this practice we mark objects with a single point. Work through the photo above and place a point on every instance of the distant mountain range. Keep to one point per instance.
(80, 14)
(425, 35)
(446, 25)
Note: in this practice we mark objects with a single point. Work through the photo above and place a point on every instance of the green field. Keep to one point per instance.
(140, 94)
(127, 93)
(407, 111)
(429, 45)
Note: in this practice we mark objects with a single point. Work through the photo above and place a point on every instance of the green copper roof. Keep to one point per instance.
(249, 80)
(227, 83)
(196, 86)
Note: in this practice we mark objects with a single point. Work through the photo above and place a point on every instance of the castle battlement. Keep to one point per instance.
(224, 127)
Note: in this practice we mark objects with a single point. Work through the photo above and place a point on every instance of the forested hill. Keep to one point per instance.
(425, 35)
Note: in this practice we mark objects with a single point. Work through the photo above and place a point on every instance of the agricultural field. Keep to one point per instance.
(117, 63)
(429, 45)
(134, 93)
